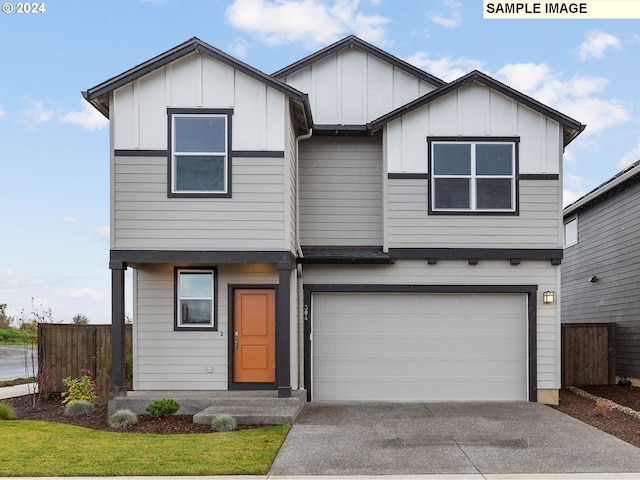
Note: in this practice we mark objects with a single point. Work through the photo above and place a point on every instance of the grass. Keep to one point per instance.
(11, 336)
(34, 448)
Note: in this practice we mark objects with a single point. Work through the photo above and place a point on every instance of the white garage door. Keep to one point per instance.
(401, 347)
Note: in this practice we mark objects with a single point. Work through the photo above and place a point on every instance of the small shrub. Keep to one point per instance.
(7, 412)
(78, 407)
(163, 408)
(122, 418)
(223, 423)
(603, 407)
(83, 388)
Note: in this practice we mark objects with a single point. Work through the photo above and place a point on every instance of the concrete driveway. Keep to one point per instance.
(447, 438)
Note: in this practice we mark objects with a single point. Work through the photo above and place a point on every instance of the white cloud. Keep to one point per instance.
(445, 68)
(238, 47)
(101, 233)
(568, 156)
(632, 156)
(570, 196)
(69, 219)
(88, 118)
(453, 16)
(86, 293)
(2, 111)
(596, 44)
(35, 113)
(312, 22)
(574, 97)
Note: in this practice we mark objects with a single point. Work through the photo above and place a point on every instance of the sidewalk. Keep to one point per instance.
(16, 391)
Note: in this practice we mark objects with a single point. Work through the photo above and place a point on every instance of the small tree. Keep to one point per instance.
(80, 319)
(5, 320)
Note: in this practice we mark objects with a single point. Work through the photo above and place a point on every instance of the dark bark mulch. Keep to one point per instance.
(611, 421)
(52, 410)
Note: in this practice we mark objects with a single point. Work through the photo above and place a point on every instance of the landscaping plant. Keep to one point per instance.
(224, 423)
(83, 388)
(78, 407)
(7, 412)
(122, 418)
(163, 408)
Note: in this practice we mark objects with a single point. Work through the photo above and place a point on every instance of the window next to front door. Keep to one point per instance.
(473, 176)
(195, 299)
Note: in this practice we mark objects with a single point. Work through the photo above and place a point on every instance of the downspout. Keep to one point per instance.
(298, 138)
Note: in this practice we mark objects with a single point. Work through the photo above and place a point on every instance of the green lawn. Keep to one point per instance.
(34, 448)
(11, 336)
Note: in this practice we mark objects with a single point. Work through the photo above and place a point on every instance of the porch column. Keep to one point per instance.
(283, 330)
(118, 352)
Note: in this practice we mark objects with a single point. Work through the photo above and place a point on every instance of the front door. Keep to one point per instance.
(254, 352)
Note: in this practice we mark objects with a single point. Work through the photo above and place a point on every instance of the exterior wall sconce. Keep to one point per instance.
(549, 297)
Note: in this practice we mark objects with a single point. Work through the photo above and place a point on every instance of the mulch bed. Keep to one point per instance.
(613, 422)
(52, 410)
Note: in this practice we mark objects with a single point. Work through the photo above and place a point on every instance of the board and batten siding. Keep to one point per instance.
(608, 240)
(352, 87)
(536, 226)
(458, 272)
(252, 219)
(341, 192)
(474, 110)
(168, 360)
(138, 110)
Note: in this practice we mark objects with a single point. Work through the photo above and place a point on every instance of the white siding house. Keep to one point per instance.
(349, 225)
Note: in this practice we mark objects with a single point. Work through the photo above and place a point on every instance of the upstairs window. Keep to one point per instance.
(473, 177)
(199, 154)
(571, 232)
(195, 299)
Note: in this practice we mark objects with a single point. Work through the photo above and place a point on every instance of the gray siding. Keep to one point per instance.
(341, 192)
(536, 226)
(608, 240)
(252, 219)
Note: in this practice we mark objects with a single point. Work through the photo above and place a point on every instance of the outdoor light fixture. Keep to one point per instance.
(549, 296)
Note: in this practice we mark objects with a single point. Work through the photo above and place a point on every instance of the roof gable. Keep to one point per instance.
(571, 127)
(353, 41)
(98, 95)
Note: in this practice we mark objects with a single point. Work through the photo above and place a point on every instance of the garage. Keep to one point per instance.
(419, 346)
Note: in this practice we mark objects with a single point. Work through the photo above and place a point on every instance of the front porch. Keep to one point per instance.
(251, 407)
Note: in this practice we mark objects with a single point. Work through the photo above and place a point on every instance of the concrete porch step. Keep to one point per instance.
(247, 407)
(251, 415)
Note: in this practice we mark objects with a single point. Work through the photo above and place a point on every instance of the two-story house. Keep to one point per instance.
(349, 225)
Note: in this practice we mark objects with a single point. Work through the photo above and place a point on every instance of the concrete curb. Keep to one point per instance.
(17, 390)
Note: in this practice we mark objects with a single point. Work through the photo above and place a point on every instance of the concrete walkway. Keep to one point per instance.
(474, 440)
(16, 391)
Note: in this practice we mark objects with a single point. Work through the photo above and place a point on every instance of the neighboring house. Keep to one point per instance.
(349, 225)
(601, 270)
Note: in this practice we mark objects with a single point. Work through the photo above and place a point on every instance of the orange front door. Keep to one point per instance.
(254, 352)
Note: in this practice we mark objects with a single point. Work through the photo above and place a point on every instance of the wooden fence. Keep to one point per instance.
(65, 350)
(588, 354)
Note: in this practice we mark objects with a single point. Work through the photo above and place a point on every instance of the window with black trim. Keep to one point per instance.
(199, 153)
(195, 299)
(473, 176)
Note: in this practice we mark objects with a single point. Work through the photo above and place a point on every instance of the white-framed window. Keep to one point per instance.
(473, 176)
(199, 155)
(195, 301)
(571, 232)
